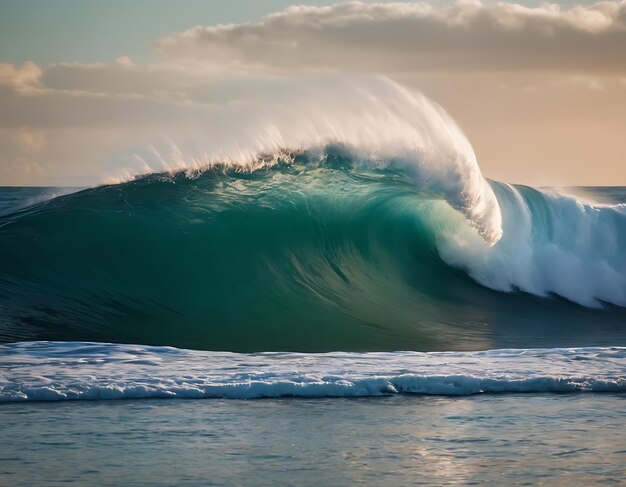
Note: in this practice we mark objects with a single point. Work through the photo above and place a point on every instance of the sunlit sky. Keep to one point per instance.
(45, 31)
(543, 102)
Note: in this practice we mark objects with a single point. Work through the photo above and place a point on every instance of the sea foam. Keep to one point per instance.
(52, 371)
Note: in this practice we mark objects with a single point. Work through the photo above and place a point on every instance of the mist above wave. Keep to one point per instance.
(373, 119)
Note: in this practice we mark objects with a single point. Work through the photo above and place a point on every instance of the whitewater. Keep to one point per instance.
(353, 219)
(314, 253)
(53, 371)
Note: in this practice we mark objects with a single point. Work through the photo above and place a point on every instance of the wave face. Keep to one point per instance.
(45, 371)
(316, 251)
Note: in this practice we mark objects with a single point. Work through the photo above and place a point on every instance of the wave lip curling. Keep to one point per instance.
(373, 119)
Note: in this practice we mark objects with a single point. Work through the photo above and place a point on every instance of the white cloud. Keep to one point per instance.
(22, 78)
(415, 37)
(517, 79)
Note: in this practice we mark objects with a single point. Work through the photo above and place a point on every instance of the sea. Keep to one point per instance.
(318, 319)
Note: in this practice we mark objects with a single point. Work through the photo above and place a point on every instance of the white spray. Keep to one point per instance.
(374, 119)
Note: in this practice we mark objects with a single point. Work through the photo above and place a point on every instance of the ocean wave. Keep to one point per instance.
(375, 121)
(49, 371)
(552, 244)
(358, 222)
(317, 252)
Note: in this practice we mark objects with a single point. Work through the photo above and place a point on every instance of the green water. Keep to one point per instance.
(304, 256)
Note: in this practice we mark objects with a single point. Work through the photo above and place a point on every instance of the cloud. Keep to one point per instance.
(414, 37)
(123, 77)
(30, 140)
(537, 89)
(21, 78)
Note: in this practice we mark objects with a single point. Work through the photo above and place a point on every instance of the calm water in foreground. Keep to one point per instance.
(513, 439)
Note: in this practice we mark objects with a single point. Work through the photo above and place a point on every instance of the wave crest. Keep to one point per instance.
(375, 121)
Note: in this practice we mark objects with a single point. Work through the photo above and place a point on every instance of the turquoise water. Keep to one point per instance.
(276, 294)
(530, 439)
(311, 256)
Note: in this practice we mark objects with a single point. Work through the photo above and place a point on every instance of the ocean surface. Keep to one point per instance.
(504, 439)
(310, 256)
(344, 319)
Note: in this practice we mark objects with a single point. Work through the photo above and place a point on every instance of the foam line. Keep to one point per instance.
(53, 371)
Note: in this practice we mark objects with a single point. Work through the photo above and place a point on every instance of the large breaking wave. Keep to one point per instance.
(368, 227)
(307, 255)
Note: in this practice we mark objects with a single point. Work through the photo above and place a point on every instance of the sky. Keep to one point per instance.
(93, 91)
(45, 31)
